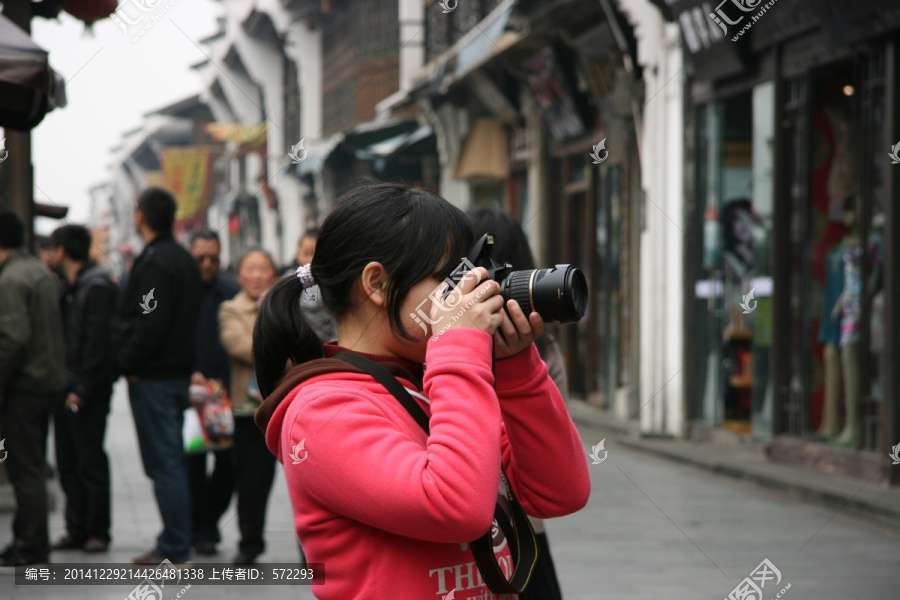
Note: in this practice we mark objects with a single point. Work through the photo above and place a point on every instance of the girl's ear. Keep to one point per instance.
(373, 281)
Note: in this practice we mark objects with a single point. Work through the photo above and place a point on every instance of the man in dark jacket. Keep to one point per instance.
(211, 493)
(156, 350)
(88, 304)
(32, 380)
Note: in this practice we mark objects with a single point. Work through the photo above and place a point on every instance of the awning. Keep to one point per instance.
(473, 50)
(29, 88)
(317, 152)
(378, 130)
(361, 139)
(481, 42)
(391, 146)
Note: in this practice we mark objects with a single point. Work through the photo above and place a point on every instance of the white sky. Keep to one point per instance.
(112, 82)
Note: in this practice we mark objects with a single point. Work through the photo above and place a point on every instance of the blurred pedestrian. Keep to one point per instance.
(88, 302)
(44, 247)
(156, 351)
(511, 246)
(306, 248)
(210, 492)
(32, 380)
(311, 303)
(255, 465)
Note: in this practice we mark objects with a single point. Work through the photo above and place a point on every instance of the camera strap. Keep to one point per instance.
(519, 534)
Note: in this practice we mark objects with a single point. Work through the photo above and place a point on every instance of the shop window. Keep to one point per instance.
(837, 257)
(733, 291)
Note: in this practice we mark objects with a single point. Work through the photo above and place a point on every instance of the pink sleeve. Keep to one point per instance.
(367, 461)
(542, 451)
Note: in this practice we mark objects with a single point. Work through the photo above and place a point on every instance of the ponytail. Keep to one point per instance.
(282, 333)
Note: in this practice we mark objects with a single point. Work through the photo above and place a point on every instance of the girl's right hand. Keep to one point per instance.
(476, 303)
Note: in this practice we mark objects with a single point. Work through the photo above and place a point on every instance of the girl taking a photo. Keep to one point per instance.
(387, 502)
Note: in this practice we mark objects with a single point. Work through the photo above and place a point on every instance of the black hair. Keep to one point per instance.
(729, 214)
(12, 230)
(75, 241)
(158, 206)
(205, 234)
(256, 250)
(510, 241)
(43, 242)
(412, 233)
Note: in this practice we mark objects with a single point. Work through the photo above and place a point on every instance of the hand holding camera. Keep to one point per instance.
(528, 298)
(476, 302)
(517, 331)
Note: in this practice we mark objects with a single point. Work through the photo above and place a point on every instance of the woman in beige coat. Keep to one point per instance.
(254, 464)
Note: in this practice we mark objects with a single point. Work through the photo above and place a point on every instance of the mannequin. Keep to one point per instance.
(848, 309)
(830, 337)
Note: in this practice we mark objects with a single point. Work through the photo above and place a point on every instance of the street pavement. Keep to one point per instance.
(653, 530)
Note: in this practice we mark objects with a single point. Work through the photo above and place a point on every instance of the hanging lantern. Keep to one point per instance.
(89, 11)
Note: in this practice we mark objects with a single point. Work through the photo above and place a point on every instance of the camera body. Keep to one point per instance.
(558, 294)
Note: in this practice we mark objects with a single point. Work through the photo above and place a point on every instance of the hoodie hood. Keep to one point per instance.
(270, 414)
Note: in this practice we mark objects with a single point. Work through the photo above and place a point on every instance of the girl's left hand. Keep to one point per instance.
(517, 331)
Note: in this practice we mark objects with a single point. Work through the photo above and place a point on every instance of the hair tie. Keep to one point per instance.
(304, 274)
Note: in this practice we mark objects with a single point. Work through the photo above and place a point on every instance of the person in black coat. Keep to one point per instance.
(32, 379)
(210, 492)
(88, 303)
(156, 334)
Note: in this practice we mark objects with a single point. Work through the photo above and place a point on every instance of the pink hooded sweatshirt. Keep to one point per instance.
(389, 510)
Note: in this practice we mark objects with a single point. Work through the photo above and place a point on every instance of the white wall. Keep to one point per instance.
(663, 366)
(262, 91)
(411, 14)
(450, 127)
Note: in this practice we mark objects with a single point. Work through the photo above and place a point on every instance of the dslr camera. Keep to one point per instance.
(557, 294)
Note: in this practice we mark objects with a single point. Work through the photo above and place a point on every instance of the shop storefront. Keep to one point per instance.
(591, 223)
(792, 268)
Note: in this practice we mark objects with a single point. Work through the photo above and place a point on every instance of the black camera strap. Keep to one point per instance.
(524, 551)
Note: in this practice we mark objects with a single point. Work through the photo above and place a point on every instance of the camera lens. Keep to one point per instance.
(557, 294)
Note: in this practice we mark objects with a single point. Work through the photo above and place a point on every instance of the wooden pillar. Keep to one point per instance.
(17, 172)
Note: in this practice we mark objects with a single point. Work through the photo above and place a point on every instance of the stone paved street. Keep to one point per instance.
(653, 530)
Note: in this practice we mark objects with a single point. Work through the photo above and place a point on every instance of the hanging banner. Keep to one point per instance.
(185, 173)
(154, 179)
(251, 137)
